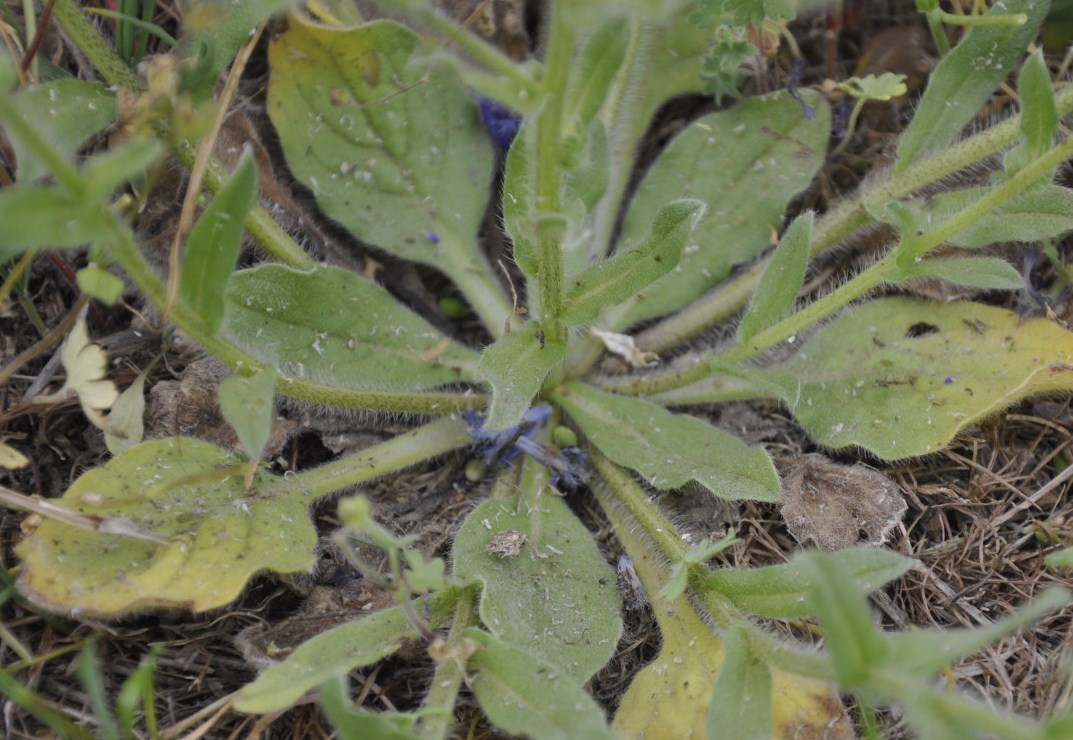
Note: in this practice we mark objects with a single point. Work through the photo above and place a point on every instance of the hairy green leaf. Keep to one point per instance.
(393, 151)
(785, 591)
(66, 113)
(966, 78)
(525, 695)
(1036, 214)
(857, 646)
(669, 450)
(627, 273)
(515, 367)
(746, 164)
(331, 325)
(556, 597)
(338, 651)
(334, 698)
(901, 378)
(1039, 116)
(105, 172)
(214, 243)
(596, 68)
(986, 273)
(776, 293)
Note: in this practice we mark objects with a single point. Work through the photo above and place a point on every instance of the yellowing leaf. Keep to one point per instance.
(10, 458)
(186, 491)
(670, 696)
(901, 378)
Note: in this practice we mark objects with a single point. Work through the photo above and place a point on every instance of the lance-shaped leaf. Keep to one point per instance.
(1034, 215)
(333, 326)
(214, 243)
(515, 366)
(392, 150)
(596, 69)
(525, 695)
(555, 595)
(623, 276)
(668, 449)
(966, 78)
(785, 591)
(986, 273)
(901, 378)
(212, 535)
(777, 290)
(927, 652)
(1039, 115)
(857, 647)
(742, 696)
(746, 164)
(350, 722)
(336, 652)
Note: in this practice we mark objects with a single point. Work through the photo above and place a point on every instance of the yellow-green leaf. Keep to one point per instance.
(902, 376)
(189, 493)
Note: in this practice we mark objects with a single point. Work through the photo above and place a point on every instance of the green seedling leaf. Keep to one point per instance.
(87, 367)
(137, 690)
(333, 653)
(596, 68)
(966, 78)
(105, 172)
(746, 163)
(901, 379)
(214, 243)
(224, 27)
(101, 284)
(927, 652)
(519, 199)
(125, 427)
(986, 273)
(515, 367)
(211, 535)
(1060, 558)
(555, 597)
(776, 293)
(884, 87)
(624, 275)
(1034, 215)
(857, 646)
(332, 325)
(785, 591)
(671, 695)
(350, 723)
(391, 150)
(38, 216)
(246, 402)
(525, 695)
(66, 113)
(1039, 116)
(669, 450)
(742, 695)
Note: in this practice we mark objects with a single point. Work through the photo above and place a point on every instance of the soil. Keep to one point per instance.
(978, 517)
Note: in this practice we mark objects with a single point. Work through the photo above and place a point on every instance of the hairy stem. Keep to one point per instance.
(437, 716)
(840, 222)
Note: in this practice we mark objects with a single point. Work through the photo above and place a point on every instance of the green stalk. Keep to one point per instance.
(628, 507)
(548, 157)
(886, 270)
(398, 452)
(437, 716)
(838, 223)
(100, 53)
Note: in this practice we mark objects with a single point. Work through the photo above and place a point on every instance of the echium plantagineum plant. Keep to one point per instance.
(385, 130)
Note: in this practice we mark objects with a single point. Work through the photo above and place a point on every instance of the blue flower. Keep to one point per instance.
(567, 464)
(501, 122)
